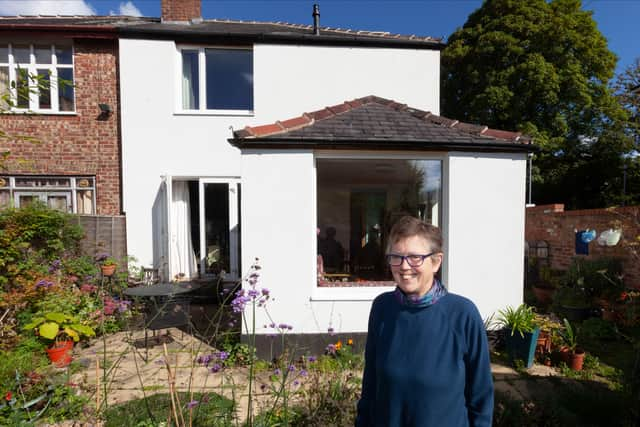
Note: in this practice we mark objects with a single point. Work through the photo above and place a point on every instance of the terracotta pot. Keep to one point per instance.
(565, 354)
(543, 344)
(576, 359)
(108, 270)
(60, 353)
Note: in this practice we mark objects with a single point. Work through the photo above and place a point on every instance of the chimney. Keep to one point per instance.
(316, 19)
(183, 11)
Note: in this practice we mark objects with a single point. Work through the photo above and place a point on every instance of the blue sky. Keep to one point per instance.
(618, 20)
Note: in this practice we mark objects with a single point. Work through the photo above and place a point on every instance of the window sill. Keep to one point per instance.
(353, 293)
(39, 113)
(238, 113)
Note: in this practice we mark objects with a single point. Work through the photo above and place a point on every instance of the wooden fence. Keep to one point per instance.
(104, 234)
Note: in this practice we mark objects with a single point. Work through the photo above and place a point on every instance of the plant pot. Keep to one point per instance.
(522, 348)
(565, 354)
(108, 270)
(543, 343)
(543, 294)
(576, 359)
(60, 353)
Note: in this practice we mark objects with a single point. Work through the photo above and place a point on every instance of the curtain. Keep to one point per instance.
(183, 258)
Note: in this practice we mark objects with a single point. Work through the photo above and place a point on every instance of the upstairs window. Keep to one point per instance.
(37, 77)
(217, 79)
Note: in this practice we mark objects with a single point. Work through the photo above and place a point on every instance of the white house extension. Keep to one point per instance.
(220, 164)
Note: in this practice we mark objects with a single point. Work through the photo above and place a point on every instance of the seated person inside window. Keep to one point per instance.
(332, 251)
(369, 261)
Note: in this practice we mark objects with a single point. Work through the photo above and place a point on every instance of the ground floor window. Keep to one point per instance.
(358, 200)
(73, 194)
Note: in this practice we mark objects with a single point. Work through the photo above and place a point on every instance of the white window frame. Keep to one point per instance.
(368, 293)
(202, 83)
(32, 70)
(71, 191)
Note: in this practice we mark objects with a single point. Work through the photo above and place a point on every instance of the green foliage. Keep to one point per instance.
(521, 319)
(569, 335)
(240, 354)
(598, 329)
(542, 67)
(56, 326)
(600, 277)
(30, 239)
(212, 410)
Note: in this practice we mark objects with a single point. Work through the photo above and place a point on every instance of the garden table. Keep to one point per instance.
(167, 305)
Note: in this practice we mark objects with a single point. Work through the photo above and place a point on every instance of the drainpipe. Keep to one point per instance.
(316, 19)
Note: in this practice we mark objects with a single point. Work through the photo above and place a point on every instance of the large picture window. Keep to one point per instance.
(217, 79)
(358, 201)
(38, 77)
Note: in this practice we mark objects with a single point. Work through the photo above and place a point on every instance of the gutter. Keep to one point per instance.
(384, 145)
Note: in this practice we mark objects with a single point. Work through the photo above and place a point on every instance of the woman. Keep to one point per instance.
(426, 358)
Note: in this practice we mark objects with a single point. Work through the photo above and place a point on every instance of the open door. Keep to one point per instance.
(203, 219)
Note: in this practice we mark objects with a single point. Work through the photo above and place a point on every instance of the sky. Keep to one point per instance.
(618, 20)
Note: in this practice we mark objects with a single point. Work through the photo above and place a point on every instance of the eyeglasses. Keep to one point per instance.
(396, 260)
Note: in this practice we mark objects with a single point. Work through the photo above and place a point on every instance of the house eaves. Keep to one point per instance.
(373, 123)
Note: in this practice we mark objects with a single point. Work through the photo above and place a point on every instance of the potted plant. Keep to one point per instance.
(108, 264)
(63, 329)
(521, 332)
(576, 354)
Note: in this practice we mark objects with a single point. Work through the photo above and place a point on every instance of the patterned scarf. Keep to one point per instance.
(436, 292)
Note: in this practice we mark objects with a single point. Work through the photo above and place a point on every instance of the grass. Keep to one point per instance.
(212, 410)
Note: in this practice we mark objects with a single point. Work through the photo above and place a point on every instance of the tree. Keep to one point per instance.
(541, 67)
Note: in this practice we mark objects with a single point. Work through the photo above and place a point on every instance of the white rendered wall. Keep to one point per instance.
(288, 80)
(484, 214)
(279, 227)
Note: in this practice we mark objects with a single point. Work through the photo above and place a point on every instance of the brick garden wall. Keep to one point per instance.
(82, 144)
(557, 227)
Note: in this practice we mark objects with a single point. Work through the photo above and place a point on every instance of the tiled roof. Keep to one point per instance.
(381, 122)
(247, 30)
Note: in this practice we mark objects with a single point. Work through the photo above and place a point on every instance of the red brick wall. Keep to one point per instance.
(180, 10)
(80, 144)
(557, 227)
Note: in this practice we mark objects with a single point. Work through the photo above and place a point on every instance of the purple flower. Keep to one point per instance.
(205, 360)
(312, 359)
(44, 284)
(55, 266)
(265, 292)
(331, 349)
(331, 331)
(192, 404)
(291, 368)
(222, 356)
(215, 368)
(277, 371)
(160, 361)
(263, 387)
(296, 382)
(253, 293)
(303, 372)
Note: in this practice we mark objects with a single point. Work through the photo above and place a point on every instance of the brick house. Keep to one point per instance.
(75, 164)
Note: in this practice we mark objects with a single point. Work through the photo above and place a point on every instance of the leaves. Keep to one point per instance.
(543, 68)
(49, 330)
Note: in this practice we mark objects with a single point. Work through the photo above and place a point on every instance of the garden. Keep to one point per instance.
(73, 348)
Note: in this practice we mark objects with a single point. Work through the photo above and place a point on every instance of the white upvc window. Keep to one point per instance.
(73, 194)
(215, 80)
(37, 77)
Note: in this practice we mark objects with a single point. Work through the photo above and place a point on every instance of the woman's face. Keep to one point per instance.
(415, 281)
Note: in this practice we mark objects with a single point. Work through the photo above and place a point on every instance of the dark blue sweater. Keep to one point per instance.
(426, 366)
